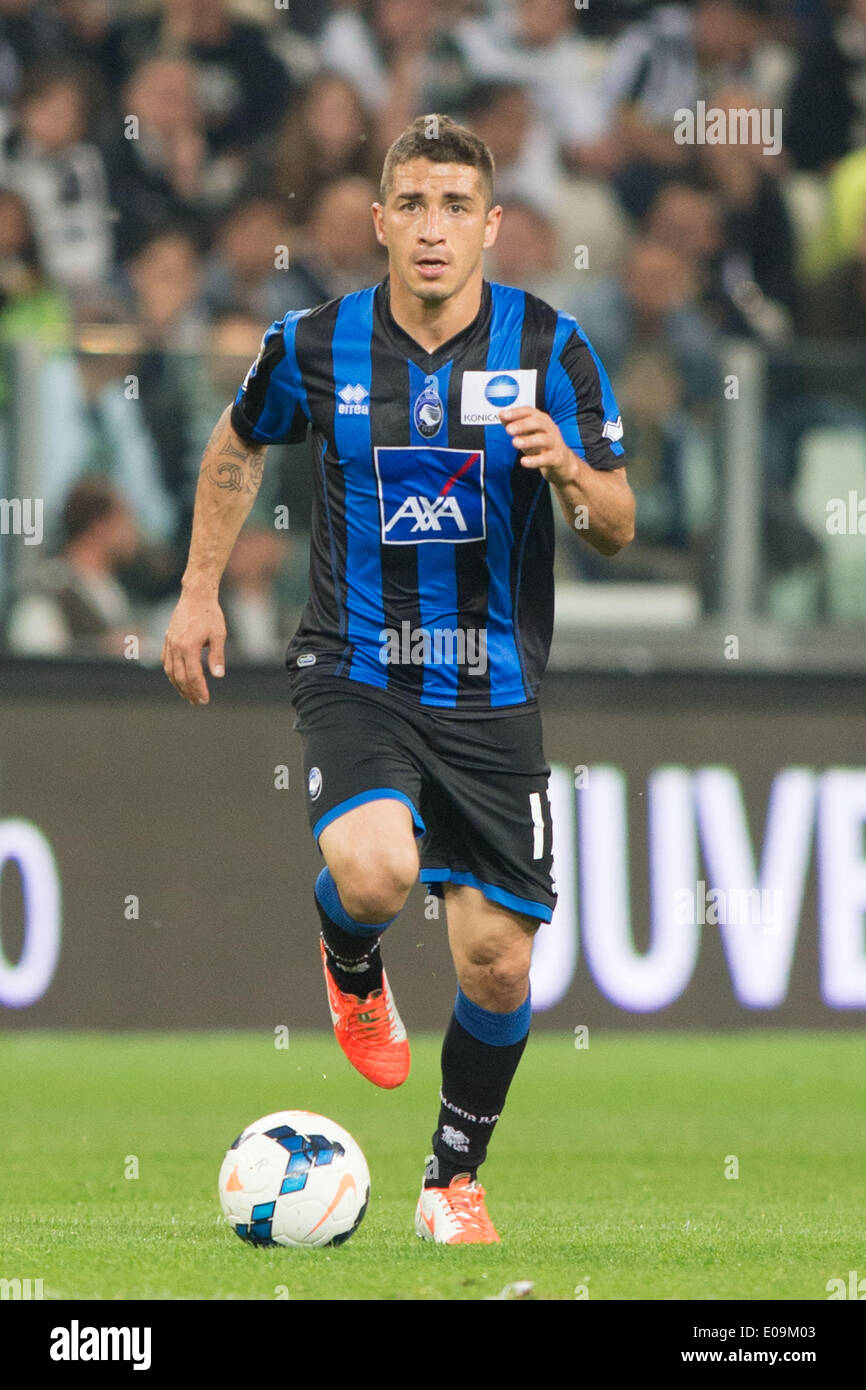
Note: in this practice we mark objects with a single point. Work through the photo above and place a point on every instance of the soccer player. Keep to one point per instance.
(444, 409)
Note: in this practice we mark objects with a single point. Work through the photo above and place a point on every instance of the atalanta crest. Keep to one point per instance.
(429, 411)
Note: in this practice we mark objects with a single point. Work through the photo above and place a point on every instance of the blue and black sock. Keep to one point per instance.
(480, 1055)
(352, 947)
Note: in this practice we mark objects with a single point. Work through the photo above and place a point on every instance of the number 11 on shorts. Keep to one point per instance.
(537, 825)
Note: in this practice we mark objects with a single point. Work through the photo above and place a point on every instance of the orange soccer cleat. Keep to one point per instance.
(369, 1031)
(455, 1215)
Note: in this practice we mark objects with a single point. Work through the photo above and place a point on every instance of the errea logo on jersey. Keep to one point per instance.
(354, 400)
(486, 393)
(428, 494)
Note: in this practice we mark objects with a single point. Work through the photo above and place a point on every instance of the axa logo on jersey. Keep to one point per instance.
(428, 515)
(430, 494)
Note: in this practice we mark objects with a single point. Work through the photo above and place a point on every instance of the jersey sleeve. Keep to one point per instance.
(271, 405)
(580, 398)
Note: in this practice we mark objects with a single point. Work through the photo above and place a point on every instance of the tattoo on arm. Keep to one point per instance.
(238, 467)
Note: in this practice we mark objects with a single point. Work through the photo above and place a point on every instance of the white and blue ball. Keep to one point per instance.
(294, 1178)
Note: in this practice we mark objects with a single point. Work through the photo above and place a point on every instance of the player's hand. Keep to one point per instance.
(539, 440)
(196, 622)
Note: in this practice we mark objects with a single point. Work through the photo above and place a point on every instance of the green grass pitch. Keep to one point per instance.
(607, 1175)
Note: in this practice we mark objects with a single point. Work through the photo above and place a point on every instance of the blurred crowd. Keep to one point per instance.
(176, 175)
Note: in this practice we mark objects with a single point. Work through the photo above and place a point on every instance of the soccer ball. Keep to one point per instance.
(294, 1178)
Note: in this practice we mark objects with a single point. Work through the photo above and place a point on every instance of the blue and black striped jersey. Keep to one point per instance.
(431, 557)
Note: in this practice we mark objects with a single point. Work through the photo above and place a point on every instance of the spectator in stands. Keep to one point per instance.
(76, 604)
(836, 306)
(662, 65)
(545, 54)
(449, 69)
(29, 33)
(385, 48)
(96, 424)
(339, 243)
(807, 394)
(757, 274)
(661, 352)
(650, 392)
(654, 304)
(158, 161)
(85, 26)
(688, 218)
(258, 623)
(825, 116)
(33, 311)
(327, 136)
(727, 237)
(846, 208)
(524, 149)
(254, 265)
(245, 89)
(525, 255)
(218, 122)
(166, 280)
(46, 158)
(32, 307)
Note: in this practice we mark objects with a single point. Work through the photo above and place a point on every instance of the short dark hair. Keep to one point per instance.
(178, 228)
(481, 98)
(442, 140)
(90, 500)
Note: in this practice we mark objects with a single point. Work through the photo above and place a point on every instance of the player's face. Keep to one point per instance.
(435, 224)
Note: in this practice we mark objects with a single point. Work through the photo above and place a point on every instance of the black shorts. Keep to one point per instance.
(476, 787)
